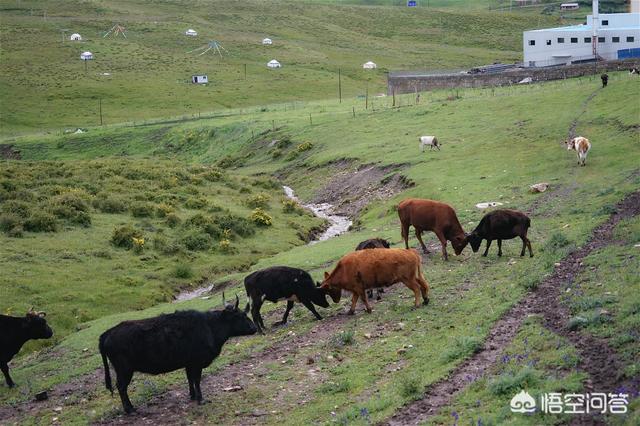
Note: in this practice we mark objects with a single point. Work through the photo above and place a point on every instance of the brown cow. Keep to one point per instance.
(429, 215)
(360, 270)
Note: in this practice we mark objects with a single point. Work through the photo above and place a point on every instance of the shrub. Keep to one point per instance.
(410, 387)
(305, 146)
(344, 338)
(163, 209)
(197, 241)
(19, 208)
(142, 210)
(259, 200)
(291, 206)
(213, 175)
(260, 218)
(182, 270)
(15, 232)
(267, 184)
(172, 220)
(138, 245)
(8, 221)
(557, 241)
(238, 225)
(164, 246)
(464, 346)
(75, 200)
(110, 204)
(123, 236)
(276, 153)
(225, 246)
(509, 384)
(196, 203)
(40, 221)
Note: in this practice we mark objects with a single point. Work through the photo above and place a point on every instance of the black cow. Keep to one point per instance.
(605, 79)
(371, 244)
(283, 283)
(503, 224)
(184, 339)
(14, 332)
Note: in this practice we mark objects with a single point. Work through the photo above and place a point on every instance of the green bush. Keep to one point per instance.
(110, 204)
(238, 225)
(260, 218)
(305, 146)
(163, 210)
(196, 203)
(15, 232)
(183, 271)
(197, 241)
(123, 236)
(509, 383)
(557, 241)
(40, 221)
(464, 346)
(8, 221)
(75, 200)
(213, 175)
(19, 208)
(259, 200)
(291, 206)
(172, 220)
(142, 210)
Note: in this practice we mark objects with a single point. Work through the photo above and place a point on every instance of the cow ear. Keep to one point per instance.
(326, 275)
(237, 302)
(318, 284)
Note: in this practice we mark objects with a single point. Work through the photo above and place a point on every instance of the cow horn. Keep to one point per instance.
(237, 302)
(224, 302)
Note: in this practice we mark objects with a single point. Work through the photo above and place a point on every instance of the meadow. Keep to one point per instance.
(147, 74)
(360, 369)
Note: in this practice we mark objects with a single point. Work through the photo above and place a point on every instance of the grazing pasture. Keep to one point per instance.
(365, 368)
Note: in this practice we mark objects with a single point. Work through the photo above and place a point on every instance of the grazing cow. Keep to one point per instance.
(364, 269)
(184, 339)
(634, 70)
(503, 224)
(370, 244)
(282, 283)
(605, 79)
(581, 146)
(429, 215)
(15, 331)
(432, 141)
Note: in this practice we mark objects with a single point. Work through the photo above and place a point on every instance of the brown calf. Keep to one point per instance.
(361, 270)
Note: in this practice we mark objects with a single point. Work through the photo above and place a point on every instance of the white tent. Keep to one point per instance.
(267, 41)
(86, 56)
(369, 65)
(274, 64)
(75, 37)
(191, 33)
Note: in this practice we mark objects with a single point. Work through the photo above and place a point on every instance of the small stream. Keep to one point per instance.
(338, 225)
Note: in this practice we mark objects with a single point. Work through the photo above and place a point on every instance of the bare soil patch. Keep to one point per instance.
(8, 152)
(597, 358)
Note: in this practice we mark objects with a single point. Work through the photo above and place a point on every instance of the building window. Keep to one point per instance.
(587, 39)
(605, 22)
(600, 39)
(560, 39)
(532, 42)
(630, 39)
(574, 39)
(615, 39)
(548, 42)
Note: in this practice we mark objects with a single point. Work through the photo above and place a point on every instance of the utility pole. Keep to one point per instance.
(339, 86)
(100, 104)
(366, 97)
(245, 71)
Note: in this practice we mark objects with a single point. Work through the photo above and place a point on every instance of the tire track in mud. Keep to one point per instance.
(597, 359)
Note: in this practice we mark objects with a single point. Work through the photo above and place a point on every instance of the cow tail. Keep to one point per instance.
(420, 276)
(105, 362)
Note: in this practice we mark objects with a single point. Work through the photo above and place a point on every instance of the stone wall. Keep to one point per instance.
(410, 84)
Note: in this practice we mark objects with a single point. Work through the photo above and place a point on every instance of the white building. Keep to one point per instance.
(607, 36)
(199, 79)
(274, 64)
(86, 56)
(191, 33)
(369, 65)
(75, 37)
(267, 41)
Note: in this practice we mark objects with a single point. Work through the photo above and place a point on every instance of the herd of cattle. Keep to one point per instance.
(192, 339)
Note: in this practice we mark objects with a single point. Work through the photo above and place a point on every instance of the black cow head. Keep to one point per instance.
(474, 240)
(240, 323)
(36, 326)
(319, 297)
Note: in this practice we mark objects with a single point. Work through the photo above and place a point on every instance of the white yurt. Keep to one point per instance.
(267, 41)
(86, 56)
(191, 33)
(369, 65)
(274, 64)
(75, 37)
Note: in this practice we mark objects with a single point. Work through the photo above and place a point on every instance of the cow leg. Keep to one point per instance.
(415, 287)
(370, 293)
(528, 245)
(365, 300)
(122, 382)
(443, 242)
(354, 302)
(312, 308)
(486, 251)
(499, 247)
(405, 234)
(196, 374)
(524, 245)
(424, 288)
(378, 293)
(419, 237)
(255, 314)
(286, 313)
(5, 370)
(192, 389)
(438, 146)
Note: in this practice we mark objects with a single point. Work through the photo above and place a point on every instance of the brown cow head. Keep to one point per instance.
(570, 143)
(334, 292)
(459, 242)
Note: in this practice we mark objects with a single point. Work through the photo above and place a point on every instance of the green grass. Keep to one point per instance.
(150, 69)
(495, 144)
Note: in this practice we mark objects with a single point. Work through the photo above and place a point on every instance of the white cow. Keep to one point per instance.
(432, 141)
(581, 146)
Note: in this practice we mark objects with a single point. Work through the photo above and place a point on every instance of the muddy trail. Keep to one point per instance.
(597, 359)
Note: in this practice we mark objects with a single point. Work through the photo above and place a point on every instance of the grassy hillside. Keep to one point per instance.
(147, 75)
(363, 368)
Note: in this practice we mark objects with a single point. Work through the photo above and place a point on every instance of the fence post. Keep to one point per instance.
(354, 111)
(310, 120)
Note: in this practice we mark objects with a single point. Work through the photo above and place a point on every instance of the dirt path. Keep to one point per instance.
(596, 357)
